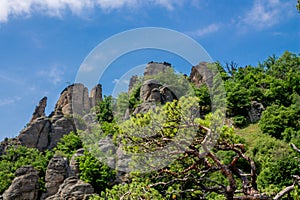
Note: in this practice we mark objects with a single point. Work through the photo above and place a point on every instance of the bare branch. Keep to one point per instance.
(283, 192)
(295, 148)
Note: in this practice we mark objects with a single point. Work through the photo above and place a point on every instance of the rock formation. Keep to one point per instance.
(56, 173)
(74, 165)
(40, 109)
(76, 99)
(255, 111)
(44, 132)
(73, 188)
(200, 74)
(154, 68)
(152, 93)
(132, 82)
(24, 186)
(62, 181)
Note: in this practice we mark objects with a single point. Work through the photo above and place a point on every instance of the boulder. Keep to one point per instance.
(200, 74)
(73, 188)
(56, 173)
(255, 111)
(147, 88)
(24, 186)
(74, 165)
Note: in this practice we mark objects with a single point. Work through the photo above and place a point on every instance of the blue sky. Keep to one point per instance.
(44, 42)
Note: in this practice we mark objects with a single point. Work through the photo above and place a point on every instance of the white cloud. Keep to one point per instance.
(205, 31)
(267, 13)
(7, 101)
(118, 81)
(55, 75)
(21, 8)
(86, 68)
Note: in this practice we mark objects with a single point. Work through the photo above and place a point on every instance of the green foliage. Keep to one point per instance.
(134, 190)
(239, 121)
(134, 96)
(18, 156)
(203, 95)
(238, 98)
(99, 175)
(104, 110)
(275, 160)
(68, 145)
(281, 122)
(177, 82)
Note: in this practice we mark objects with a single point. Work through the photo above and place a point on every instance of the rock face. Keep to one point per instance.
(45, 132)
(132, 82)
(24, 186)
(40, 109)
(73, 188)
(151, 93)
(75, 99)
(255, 111)
(62, 181)
(56, 173)
(74, 165)
(154, 68)
(200, 74)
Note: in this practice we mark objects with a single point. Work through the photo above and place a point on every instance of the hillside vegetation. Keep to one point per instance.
(252, 158)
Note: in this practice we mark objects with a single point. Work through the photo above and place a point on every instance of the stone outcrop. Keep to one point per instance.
(40, 109)
(73, 188)
(152, 93)
(200, 74)
(25, 186)
(76, 99)
(255, 111)
(56, 173)
(44, 132)
(154, 68)
(132, 82)
(74, 165)
(35, 135)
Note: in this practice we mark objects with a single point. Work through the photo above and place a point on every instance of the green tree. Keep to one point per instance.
(68, 145)
(18, 156)
(104, 110)
(99, 175)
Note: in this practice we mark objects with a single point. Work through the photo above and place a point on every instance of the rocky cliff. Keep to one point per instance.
(44, 132)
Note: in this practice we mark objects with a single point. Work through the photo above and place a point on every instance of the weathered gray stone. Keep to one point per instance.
(24, 186)
(74, 165)
(35, 135)
(40, 109)
(255, 111)
(132, 82)
(96, 95)
(154, 68)
(73, 188)
(60, 128)
(147, 87)
(56, 173)
(200, 74)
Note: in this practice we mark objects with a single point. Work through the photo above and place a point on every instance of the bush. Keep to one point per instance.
(18, 156)
(99, 175)
(239, 121)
